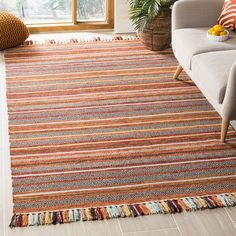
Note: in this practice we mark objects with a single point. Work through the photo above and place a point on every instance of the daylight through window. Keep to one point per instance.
(41, 12)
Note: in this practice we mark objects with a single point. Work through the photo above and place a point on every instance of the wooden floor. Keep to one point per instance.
(218, 222)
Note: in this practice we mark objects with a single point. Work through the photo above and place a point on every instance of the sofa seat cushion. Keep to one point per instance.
(212, 71)
(189, 42)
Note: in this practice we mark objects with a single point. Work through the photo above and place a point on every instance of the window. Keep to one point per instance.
(62, 14)
(91, 10)
(39, 11)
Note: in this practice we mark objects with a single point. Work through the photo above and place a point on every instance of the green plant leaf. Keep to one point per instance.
(142, 11)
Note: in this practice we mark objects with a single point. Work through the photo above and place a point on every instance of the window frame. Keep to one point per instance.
(75, 24)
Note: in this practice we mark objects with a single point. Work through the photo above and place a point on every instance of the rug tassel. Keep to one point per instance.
(54, 218)
(138, 209)
(126, 211)
(89, 214)
(76, 215)
(229, 202)
(166, 208)
(83, 215)
(177, 205)
(217, 201)
(71, 216)
(42, 219)
(30, 219)
(133, 211)
(100, 213)
(13, 221)
(25, 220)
(80, 40)
(47, 219)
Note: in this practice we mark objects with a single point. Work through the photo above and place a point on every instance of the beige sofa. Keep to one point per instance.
(211, 65)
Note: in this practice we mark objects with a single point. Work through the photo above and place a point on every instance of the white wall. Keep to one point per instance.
(122, 21)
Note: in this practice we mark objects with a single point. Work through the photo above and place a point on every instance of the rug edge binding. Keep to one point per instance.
(187, 204)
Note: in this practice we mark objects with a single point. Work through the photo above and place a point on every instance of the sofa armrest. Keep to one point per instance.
(195, 13)
(229, 103)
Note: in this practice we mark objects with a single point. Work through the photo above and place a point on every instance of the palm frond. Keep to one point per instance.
(142, 11)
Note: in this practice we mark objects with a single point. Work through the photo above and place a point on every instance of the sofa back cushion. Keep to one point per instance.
(12, 31)
(228, 15)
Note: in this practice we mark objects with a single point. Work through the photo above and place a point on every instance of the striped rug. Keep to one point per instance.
(100, 130)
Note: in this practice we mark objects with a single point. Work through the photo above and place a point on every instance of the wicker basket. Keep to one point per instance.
(157, 34)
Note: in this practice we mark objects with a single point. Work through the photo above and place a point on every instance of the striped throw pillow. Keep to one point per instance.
(228, 15)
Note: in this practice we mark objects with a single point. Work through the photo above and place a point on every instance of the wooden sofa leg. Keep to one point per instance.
(178, 72)
(224, 130)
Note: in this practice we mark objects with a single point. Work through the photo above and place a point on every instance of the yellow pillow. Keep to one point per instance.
(13, 31)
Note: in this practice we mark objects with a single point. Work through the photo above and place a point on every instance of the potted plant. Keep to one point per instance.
(152, 20)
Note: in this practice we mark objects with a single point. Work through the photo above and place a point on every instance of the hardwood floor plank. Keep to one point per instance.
(205, 223)
(232, 213)
(164, 232)
(146, 223)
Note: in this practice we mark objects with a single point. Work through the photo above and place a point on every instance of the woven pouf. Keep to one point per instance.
(13, 31)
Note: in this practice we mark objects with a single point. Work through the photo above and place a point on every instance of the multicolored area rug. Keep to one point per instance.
(100, 130)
